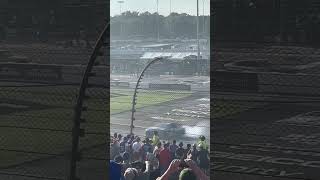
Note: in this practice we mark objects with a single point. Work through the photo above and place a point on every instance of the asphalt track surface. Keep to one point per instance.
(264, 144)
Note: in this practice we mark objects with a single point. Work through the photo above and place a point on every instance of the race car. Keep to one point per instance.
(166, 130)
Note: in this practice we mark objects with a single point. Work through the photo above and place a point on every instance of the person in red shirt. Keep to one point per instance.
(164, 158)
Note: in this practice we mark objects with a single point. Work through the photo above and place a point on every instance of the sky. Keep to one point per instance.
(179, 6)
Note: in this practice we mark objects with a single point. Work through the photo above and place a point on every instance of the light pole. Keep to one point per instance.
(198, 57)
(170, 7)
(158, 19)
(120, 2)
(170, 23)
(203, 15)
(198, 48)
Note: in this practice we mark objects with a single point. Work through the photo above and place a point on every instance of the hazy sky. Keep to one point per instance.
(180, 6)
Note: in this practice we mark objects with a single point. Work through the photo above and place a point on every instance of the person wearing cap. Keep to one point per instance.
(192, 172)
(155, 138)
(202, 142)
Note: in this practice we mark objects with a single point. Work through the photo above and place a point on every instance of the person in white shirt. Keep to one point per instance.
(136, 148)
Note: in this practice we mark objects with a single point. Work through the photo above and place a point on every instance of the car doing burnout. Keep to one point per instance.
(166, 130)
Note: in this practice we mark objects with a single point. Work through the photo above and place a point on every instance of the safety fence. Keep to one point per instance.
(40, 86)
(264, 112)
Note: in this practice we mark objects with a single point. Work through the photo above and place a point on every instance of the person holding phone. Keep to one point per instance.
(188, 170)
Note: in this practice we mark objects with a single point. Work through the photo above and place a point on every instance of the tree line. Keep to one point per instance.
(132, 24)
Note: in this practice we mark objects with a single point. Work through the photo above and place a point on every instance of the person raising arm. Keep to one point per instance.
(192, 172)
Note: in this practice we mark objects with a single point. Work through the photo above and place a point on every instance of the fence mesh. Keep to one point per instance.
(39, 87)
(265, 110)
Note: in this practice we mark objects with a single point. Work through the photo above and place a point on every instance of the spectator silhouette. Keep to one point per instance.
(180, 151)
(193, 153)
(164, 158)
(203, 158)
(116, 168)
(172, 148)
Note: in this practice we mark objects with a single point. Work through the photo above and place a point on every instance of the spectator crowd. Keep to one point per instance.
(153, 159)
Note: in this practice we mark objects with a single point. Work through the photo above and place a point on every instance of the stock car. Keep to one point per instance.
(166, 130)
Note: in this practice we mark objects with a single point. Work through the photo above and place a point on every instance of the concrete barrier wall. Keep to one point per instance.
(120, 84)
(182, 87)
